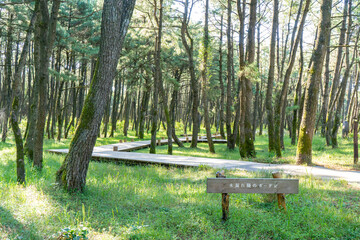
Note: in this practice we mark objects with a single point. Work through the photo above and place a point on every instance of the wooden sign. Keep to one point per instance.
(277, 185)
(252, 185)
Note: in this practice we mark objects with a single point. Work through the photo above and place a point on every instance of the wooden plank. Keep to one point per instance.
(252, 185)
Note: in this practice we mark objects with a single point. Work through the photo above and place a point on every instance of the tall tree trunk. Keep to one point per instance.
(144, 107)
(47, 30)
(229, 98)
(115, 21)
(204, 78)
(344, 81)
(336, 79)
(281, 100)
(271, 76)
(7, 80)
(247, 148)
(297, 97)
(157, 74)
(14, 116)
(222, 90)
(194, 86)
(326, 91)
(304, 148)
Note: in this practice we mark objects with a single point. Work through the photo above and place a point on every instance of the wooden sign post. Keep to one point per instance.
(276, 185)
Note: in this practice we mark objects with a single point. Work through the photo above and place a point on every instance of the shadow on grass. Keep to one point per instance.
(14, 228)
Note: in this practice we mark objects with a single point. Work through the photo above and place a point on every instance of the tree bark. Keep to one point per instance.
(304, 148)
(336, 79)
(188, 43)
(157, 74)
(14, 116)
(115, 21)
(47, 31)
(222, 90)
(247, 148)
(204, 78)
(281, 100)
(271, 77)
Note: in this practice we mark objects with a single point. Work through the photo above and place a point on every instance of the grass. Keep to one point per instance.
(338, 158)
(153, 202)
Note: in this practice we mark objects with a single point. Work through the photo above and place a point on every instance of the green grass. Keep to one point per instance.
(153, 202)
(338, 158)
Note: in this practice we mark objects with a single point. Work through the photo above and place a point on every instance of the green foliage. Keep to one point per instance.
(68, 233)
(251, 72)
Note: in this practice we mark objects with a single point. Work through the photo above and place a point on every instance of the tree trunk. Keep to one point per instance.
(189, 47)
(271, 76)
(247, 148)
(115, 20)
(336, 79)
(157, 74)
(229, 98)
(343, 85)
(281, 100)
(204, 78)
(7, 80)
(297, 97)
(304, 148)
(222, 90)
(47, 31)
(14, 116)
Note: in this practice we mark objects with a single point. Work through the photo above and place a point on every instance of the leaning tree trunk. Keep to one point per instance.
(304, 148)
(115, 21)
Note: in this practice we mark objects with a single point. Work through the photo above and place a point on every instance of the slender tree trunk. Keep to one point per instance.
(7, 80)
(344, 81)
(222, 90)
(297, 97)
(204, 78)
(229, 98)
(47, 30)
(14, 116)
(271, 76)
(304, 148)
(336, 79)
(326, 92)
(189, 47)
(157, 74)
(281, 100)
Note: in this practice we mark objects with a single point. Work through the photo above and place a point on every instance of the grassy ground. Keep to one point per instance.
(338, 158)
(153, 202)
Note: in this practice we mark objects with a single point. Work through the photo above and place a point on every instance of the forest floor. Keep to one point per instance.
(154, 202)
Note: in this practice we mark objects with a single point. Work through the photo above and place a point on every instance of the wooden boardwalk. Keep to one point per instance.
(124, 155)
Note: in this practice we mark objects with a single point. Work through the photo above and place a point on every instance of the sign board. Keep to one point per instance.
(252, 185)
